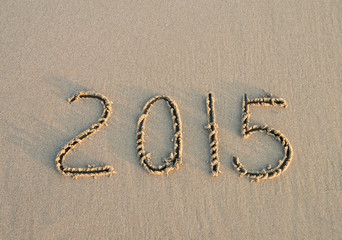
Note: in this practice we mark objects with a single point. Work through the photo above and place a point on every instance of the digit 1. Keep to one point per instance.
(213, 138)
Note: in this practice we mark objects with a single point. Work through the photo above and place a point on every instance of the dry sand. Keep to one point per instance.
(132, 51)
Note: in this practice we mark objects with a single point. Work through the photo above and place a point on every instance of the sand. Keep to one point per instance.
(131, 52)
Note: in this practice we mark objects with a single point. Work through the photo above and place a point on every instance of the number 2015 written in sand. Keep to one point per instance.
(175, 159)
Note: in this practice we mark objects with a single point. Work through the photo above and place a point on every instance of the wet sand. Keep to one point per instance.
(131, 52)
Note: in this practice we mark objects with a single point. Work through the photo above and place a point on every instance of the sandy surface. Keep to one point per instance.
(132, 51)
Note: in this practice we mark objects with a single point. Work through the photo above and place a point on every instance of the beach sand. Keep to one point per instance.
(133, 51)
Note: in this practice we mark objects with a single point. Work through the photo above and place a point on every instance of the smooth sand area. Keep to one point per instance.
(132, 51)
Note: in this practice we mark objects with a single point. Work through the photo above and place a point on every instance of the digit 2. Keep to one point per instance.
(91, 171)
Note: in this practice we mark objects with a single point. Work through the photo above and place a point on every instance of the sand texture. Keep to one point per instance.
(196, 87)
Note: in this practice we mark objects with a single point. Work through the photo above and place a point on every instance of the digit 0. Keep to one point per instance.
(175, 158)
